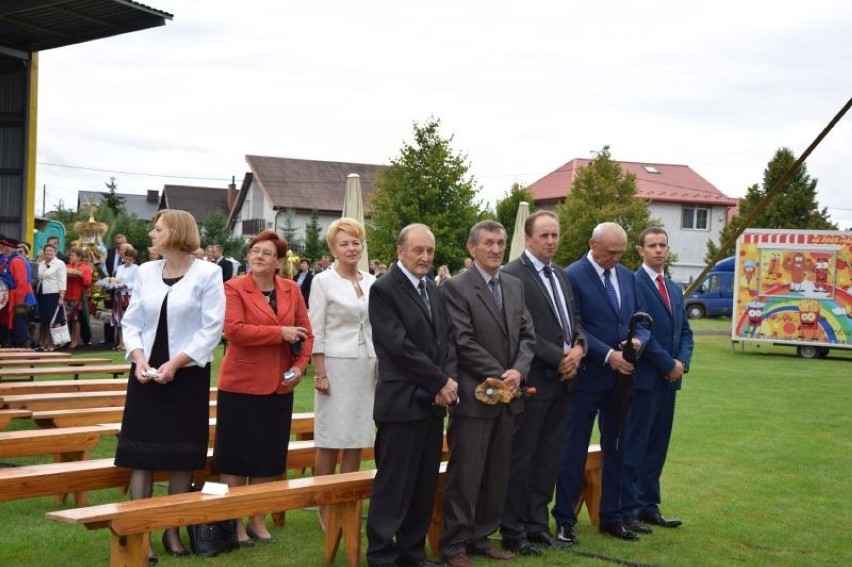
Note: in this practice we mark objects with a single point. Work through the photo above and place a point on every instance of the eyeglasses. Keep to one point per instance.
(262, 252)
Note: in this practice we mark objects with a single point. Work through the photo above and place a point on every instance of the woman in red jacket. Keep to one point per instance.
(79, 275)
(269, 345)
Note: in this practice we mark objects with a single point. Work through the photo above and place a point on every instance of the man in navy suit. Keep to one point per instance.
(606, 299)
(415, 343)
(559, 348)
(658, 378)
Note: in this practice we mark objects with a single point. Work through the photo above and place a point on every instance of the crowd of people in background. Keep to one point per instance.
(394, 351)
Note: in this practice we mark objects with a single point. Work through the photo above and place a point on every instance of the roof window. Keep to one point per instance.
(651, 169)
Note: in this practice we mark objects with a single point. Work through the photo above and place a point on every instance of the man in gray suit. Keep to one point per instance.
(415, 345)
(495, 338)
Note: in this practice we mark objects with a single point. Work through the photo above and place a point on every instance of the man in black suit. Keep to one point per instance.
(215, 255)
(495, 338)
(559, 348)
(113, 261)
(415, 344)
(304, 277)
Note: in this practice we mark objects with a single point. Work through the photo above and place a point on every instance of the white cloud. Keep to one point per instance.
(523, 88)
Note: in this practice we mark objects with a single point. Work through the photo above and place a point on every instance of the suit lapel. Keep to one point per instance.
(483, 292)
(604, 299)
(652, 285)
(414, 295)
(258, 300)
(542, 288)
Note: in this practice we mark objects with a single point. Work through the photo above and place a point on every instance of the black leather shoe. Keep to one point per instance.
(521, 547)
(546, 539)
(567, 535)
(251, 533)
(638, 527)
(617, 530)
(657, 519)
(175, 552)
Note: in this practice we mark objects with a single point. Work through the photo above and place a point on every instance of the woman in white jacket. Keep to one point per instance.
(171, 327)
(50, 294)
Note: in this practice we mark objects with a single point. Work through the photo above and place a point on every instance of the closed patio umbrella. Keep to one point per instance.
(517, 246)
(353, 207)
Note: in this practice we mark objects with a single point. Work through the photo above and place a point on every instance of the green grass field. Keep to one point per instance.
(759, 470)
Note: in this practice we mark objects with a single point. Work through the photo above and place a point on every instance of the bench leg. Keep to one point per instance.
(129, 550)
(591, 495)
(344, 520)
(71, 456)
(436, 526)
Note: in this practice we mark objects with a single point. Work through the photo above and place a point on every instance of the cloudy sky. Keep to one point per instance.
(521, 87)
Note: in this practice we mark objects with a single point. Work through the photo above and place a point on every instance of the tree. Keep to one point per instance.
(214, 230)
(601, 192)
(507, 210)
(289, 232)
(427, 183)
(111, 198)
(793, 206)
(315, 245)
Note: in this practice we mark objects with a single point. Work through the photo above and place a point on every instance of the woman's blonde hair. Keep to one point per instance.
(347, 225)
(183, 231)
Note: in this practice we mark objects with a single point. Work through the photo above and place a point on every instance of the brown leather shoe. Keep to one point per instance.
(493, 553)
(459, 560)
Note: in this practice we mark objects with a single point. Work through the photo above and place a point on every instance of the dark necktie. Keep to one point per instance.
(661, 285)
(421, 287)
(610, 291)
(496, 293)
(560, 305)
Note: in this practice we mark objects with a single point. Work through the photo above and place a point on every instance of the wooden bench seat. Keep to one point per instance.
(68, 361)
(115, 369)
(30, 481)
(8, 415)
(67, 444)
(62, 386)
(48, 419)
(70, 400)
(10, 354)
(130, 523)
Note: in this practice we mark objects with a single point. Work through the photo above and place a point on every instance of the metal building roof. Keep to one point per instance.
(36, 25)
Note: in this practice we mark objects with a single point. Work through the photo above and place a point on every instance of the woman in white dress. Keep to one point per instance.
(128, 275)
(343, 355)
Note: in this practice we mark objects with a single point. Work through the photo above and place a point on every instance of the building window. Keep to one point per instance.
(695, 218)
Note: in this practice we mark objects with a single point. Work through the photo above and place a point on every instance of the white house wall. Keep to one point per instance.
(689, 245)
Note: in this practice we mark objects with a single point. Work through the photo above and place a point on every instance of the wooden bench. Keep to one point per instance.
(115, 369)
(48, 419)
(66, 444)
(8, 415)
(62, 386)
(33, 362)
(30, 481)
(64, 400)
(25, 353)
(70, 400)
(130, 523)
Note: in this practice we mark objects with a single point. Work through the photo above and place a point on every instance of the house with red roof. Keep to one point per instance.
(692, 209)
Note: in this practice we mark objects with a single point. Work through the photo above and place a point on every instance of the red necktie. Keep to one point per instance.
(661, 285)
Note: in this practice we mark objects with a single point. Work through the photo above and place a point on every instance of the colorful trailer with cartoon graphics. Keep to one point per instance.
(794, 287)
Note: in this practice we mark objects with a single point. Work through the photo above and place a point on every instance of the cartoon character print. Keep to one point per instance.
(809, 320)
(755, 317)
(749, 268)
(797, 266)
(821, 272)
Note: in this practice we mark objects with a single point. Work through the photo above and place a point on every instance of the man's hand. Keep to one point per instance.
(675, 373)
(570, 363)
(448, 394)
(512, 379)
(616, 362)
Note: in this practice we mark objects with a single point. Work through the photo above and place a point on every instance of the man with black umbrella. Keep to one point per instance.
(659, 375)
(606, 300)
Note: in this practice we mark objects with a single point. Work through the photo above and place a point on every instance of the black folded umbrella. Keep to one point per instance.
(624, 382)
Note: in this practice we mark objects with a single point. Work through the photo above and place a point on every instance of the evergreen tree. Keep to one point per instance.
(315, 245)
(111, 198)
(793, 206)
(289, 231)
(601, 192)
(427, 183)
(507, 210)
(214, 230)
